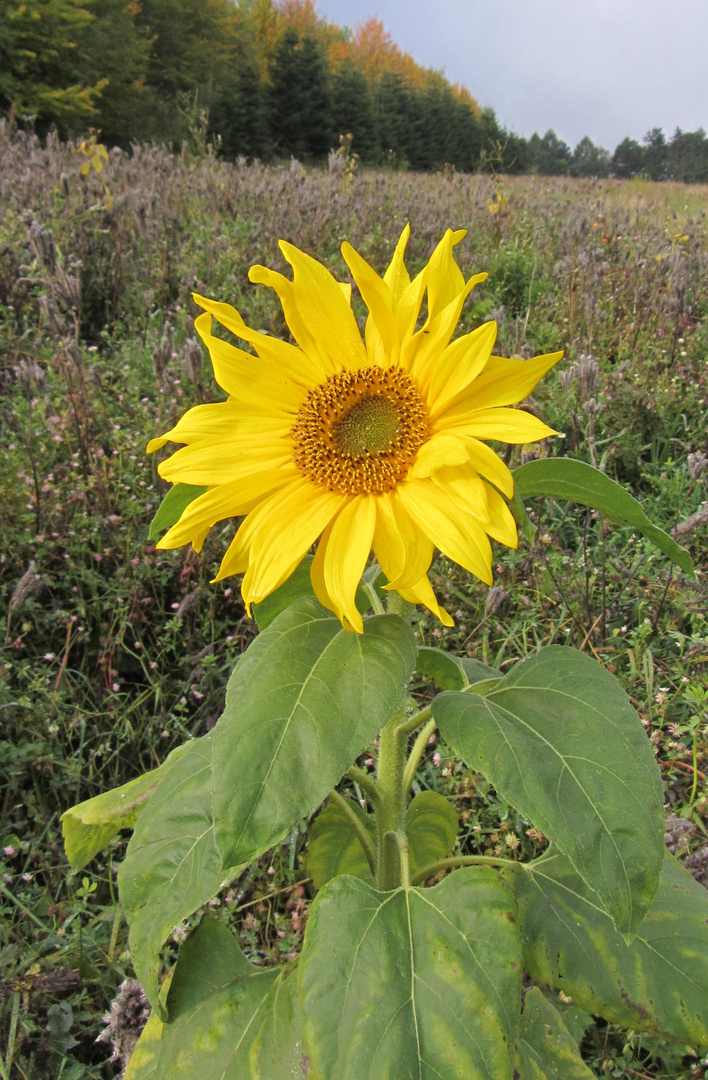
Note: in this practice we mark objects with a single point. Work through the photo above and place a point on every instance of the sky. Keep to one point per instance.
(603, 68)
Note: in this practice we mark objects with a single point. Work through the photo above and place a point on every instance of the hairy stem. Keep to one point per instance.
(365, 782)
(455, 861)
(416, 753)
(391, 807)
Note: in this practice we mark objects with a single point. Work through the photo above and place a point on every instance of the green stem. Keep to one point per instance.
(365, 782)
(416, 753)
(415, 721)
(358, 826)
(396, 605)
(458, 860)
(391, 807)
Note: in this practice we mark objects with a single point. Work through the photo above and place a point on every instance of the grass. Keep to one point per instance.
(113, 653)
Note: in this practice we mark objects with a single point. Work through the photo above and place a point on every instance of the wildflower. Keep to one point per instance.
(378, 444)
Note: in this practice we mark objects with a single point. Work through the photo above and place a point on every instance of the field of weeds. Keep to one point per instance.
(114, 653)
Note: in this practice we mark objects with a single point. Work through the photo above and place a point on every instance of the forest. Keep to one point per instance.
(271, 79)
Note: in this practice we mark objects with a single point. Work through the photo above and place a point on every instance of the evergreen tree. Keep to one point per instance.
(397, 120)
(628, 159)
(687, 158)
(299, 99)
(238, 115)
(549, 156)
(589, 160)
(655, 154)
(353, 110)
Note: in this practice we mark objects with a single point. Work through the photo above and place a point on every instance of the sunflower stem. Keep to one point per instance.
(365, 782)
(391, 806)
(396, 605)
(456, 861)
(416, 753)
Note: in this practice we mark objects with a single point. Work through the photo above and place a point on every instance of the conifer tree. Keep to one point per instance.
(299, 99)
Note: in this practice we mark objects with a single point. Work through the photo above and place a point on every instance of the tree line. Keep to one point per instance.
(272, 79)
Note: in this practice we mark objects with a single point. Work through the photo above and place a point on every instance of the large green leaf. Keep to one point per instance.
(452, 672)
(90, 825)
(172, 865)
(334, 847)
(305, 699)
(414, 984)
(658, 984)
(172, 507)
(560, 741)
(228, 1019)
(431, 828)
(545, 1049)
(563, 478)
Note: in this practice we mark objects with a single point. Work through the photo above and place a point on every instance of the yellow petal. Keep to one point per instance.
(381, 329)
(422, 593)
(502, 382)
(504, 425)
(342, 556)
(247, 377)
(320, 363)
(218, 462)
(448, 526)
(329, 317)
(421, 353)
(295, 518)
(458, 365)
(227, 500)
(466, 489)
(438, 452)
(482, 502)
(444, 278)
(489, 464)
(201, 422)
(402, 551)
(281, 355)
(397, 277)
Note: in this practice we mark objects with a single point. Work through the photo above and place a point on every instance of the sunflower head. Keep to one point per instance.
(355, 445)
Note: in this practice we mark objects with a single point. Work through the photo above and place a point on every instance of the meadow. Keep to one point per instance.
(114, 653)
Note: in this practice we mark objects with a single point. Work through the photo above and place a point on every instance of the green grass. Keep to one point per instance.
(113, 653)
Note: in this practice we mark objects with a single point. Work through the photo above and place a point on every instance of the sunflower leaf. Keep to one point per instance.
(658, 984)
(172, 507)
(90, 825)
(545, 1049)
(452, 672)
(414, 982)
(172, 865)
(304, 700)
(564, 478)
(248, 1017)
(560, 741)
(333, 846)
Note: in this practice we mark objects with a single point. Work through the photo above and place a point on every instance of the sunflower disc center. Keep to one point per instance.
(369, 427)
(358, 432)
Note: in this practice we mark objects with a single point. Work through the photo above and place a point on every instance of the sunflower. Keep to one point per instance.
(354, 444)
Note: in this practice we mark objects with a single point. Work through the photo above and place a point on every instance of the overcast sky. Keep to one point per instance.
(603, 68)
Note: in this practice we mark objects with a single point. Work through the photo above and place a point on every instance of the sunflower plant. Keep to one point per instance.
(414, 955)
